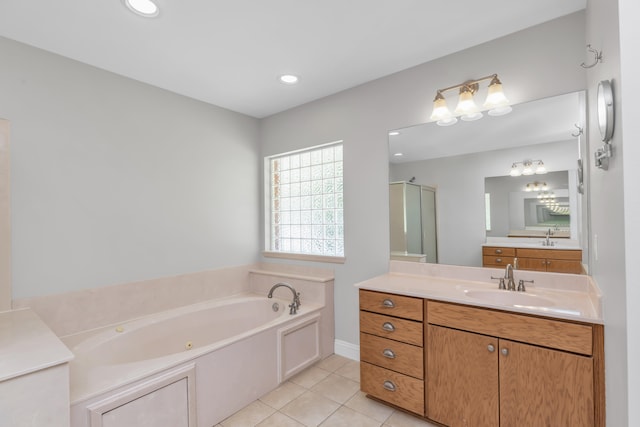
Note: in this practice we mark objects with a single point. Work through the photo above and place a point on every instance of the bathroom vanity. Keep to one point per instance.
(557, 260)
(450, 348)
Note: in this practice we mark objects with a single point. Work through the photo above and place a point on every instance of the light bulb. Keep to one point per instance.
(540, 169)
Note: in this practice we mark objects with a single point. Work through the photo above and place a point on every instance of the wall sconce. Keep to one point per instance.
(467, 109)
(528, 167)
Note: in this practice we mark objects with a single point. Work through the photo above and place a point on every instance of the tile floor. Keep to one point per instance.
(326, 394)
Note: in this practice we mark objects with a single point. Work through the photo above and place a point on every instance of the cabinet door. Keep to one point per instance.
(543, 387)
(564, 266)
(535, 264)
(462, 378)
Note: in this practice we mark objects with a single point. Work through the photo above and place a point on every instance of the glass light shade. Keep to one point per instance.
(515, 171)
(527, 169)
(447, 122)
(440, 109)
(466, 104)
(471, 117)
(495, 95)
(528, 188)
(500, 111)
(540, 169)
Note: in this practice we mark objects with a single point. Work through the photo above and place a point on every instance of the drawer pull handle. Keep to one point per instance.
(498, 251)
(388, 385)
(388, 353)
(387, 303)
(498, 259)
(388, 326)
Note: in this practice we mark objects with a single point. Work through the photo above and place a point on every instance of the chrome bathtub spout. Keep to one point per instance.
(295, 304)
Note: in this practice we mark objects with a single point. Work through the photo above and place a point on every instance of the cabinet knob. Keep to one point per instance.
(388, 326)
(491, 348)
(498, 259)
(498, 251)
(389, 385)
(388, 353)
(504, 352)
(388, 303)
(548, 262)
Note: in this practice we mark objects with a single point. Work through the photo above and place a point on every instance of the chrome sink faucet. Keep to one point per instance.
(295, 304)
(508, 275)
(546, 241)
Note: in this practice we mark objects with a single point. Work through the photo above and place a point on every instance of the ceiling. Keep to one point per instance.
(230, 53)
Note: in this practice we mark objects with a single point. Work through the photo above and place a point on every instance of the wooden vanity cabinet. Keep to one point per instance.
(497, 256)
(480, 373)
(551, 260)
(391, 349)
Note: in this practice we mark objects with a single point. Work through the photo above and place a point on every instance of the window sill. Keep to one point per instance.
(304, 257)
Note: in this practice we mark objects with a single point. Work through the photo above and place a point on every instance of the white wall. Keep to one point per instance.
(630, 127)
(459, 181)
(532, 64)
(115, 181)
(607, 209)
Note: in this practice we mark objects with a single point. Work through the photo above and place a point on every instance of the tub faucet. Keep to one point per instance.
(295, 304)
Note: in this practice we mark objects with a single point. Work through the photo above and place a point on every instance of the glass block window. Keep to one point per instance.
(306, 212)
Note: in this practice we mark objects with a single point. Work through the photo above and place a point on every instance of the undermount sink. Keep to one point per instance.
(512, 298)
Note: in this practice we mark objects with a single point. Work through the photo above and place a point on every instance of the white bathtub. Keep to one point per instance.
(208, 360)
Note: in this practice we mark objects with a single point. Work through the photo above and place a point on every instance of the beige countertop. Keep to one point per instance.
(28, 345)
(579, 300)
(532, 243)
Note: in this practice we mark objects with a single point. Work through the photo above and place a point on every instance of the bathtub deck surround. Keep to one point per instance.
(34, 373)
(158, 347)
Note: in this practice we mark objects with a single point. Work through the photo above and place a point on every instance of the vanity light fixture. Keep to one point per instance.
(146, 8)
(528, 167)
(467, 109)
(536, 186)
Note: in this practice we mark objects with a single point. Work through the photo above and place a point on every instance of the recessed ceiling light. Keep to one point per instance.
(146, 8)
(398, 154)
(394, 133)
(288, 79)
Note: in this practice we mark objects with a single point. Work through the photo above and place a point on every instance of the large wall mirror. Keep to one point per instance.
(477, 201)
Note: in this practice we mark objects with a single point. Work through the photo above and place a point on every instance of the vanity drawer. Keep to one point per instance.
(498, 251)
(396, 356)
(397, 389)
(392, 305)
(407, 331)
(500, 261)
(556, 334)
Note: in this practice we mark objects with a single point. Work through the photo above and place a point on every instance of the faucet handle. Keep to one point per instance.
(521, 283)
(501, 284)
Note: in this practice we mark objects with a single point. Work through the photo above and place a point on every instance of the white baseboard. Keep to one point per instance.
(346, 349)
